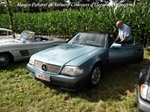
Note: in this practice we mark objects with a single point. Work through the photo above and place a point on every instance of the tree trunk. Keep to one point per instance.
(134, 2)
(10, 14)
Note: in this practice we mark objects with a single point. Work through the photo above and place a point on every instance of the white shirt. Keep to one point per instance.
(125, 32)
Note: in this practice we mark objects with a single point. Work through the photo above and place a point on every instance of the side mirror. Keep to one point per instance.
(116, 45)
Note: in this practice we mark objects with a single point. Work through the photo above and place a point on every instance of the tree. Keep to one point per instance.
(10, 14)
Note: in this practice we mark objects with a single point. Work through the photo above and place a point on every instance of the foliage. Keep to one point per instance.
(2, 9)
(69, 22)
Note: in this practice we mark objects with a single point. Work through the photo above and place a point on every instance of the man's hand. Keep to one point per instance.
(120, 42)
(123, 40)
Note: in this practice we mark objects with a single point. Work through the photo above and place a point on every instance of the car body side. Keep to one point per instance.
(25, 50)
(23, 47)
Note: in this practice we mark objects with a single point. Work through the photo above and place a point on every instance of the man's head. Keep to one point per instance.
(119, 24)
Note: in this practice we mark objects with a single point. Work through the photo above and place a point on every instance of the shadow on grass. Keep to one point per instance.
(115, 83)
(15, 65)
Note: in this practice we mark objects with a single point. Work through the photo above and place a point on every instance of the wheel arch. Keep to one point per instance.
(89, 82)
(100, 63)
(11, 57)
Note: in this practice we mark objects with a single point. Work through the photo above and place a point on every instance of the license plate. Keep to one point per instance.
(42, 77)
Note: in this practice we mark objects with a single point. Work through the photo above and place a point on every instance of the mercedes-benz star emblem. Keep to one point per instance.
(44, 67)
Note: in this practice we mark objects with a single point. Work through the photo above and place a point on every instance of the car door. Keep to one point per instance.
(20, 51)
(125, 54)
(26, 49)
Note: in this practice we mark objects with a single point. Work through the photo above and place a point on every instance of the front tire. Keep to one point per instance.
(95, 76)
(4, 60)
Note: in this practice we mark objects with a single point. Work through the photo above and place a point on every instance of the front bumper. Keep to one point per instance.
(65, 82)
(142, 105)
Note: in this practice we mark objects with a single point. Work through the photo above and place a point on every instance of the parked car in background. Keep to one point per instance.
(80, 61)
(7, 34)
(3, 2)
(143, 89)
(148, 48)
(24, 46)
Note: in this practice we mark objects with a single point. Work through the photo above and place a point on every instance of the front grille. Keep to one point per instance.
(50, 68)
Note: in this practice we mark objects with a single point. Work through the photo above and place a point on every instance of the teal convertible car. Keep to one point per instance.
(80, 61)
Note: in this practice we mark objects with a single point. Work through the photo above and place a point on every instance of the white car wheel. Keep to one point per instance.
(4, 60)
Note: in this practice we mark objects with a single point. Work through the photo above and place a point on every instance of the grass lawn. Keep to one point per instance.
(116, 92)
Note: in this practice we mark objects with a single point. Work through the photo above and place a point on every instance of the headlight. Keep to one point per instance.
(145, 92)
(32, 59)
(72, 71)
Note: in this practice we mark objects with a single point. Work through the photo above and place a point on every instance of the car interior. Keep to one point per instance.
(38, 39)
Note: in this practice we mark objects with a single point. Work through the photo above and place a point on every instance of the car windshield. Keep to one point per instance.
(25, 35)
(93, 39)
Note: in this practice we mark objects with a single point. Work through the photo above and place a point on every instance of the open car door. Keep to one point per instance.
(125, 54)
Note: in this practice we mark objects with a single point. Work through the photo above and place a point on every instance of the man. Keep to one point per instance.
(124, 33)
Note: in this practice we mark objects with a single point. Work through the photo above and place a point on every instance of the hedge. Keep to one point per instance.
(69, 22)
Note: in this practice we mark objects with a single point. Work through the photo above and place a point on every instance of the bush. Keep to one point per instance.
(69, 22)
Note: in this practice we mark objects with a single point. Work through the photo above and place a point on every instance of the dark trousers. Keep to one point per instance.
(128, 42)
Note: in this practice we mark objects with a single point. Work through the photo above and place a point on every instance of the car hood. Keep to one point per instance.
(9, 42)
(66, 54)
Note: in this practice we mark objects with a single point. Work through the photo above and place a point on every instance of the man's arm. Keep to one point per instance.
(117, 38)
(123, 40)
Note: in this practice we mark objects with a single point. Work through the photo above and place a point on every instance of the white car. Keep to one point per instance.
(3, 2)
(23, 46)
(7, 34)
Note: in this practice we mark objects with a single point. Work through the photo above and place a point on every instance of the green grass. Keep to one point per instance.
(116, 92)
